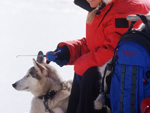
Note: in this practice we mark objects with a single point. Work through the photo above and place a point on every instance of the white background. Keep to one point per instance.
(26, 27)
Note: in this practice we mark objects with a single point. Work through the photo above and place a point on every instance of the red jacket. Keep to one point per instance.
(103, 34)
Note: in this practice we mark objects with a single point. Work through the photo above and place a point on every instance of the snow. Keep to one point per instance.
(26, 27)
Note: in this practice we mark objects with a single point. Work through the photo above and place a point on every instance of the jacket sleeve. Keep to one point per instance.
(76, 48)
(97, 57)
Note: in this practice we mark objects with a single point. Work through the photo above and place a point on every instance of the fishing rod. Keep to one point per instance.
(50, 56)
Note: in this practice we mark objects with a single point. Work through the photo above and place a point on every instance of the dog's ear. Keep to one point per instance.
(39, 67)
(39, 58)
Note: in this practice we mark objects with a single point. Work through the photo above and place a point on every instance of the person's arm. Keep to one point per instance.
(76, 48)
(99, 56)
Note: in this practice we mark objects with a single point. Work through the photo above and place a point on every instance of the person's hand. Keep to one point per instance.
(50, 56)
(60, 56)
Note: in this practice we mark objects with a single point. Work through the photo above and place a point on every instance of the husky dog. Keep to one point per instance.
(50, 92)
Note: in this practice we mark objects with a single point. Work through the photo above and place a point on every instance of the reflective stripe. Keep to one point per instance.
(122, 89)
(133, 89)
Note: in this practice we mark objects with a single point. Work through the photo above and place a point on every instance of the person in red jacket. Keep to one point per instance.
(106, 22)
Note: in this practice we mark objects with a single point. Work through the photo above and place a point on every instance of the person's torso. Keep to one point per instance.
(98, 30)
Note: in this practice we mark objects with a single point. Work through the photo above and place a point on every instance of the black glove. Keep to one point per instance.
(60, 56)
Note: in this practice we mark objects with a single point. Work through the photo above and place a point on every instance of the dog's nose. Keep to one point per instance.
(14, 85)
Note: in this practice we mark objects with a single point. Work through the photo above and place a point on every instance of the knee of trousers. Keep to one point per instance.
(92, 73)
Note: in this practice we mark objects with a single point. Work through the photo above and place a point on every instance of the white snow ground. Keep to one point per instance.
(27, 26)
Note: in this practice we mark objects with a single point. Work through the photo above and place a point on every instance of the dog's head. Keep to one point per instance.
(39, 78)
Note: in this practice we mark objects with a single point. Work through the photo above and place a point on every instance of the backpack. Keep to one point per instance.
(130, 81)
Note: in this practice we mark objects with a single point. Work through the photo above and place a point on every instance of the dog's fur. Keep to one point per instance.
(40, 79)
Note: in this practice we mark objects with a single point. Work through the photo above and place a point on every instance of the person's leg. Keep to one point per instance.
(89, 90)
(74, 97)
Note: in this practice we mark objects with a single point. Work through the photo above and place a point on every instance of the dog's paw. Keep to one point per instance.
(99, 102)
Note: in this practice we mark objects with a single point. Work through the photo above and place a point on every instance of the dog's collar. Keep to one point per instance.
(48, 95)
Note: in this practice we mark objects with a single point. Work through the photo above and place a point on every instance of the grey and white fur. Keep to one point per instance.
(43, 78)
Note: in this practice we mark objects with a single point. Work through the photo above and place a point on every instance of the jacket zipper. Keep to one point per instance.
(106, 14)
